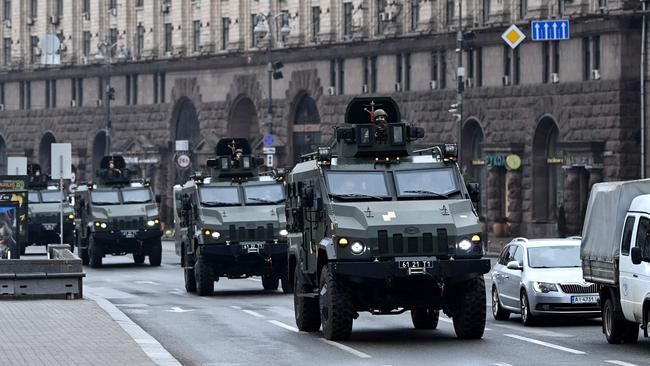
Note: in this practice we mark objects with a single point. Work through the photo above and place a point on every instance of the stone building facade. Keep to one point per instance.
(195, 70)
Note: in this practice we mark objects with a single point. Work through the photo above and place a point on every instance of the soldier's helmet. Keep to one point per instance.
(381, 115)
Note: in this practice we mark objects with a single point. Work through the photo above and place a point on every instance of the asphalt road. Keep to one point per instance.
(244, 325)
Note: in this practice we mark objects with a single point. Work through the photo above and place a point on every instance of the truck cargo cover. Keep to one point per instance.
(606, 210)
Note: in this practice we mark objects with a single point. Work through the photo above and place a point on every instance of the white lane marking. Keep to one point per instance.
(147, 283)
(345, 348)
(131, 305)
(620, 363)
(502, 364)
(546, 344)
(236, 307)
(281, 310)
(176, 309)
(285, 326)
(538, 332)
(450, 321)
(253, 313)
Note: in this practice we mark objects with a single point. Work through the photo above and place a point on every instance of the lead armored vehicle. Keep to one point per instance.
(231, 223)
(45, 200)
(117, 215)
(375, 227)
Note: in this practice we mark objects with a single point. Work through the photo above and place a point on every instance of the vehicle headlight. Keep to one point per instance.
(150, 223)
(343, 242)
(284, 232)
(71, 216)
(207, 232)
(357, 248)
(99, 224)
(215, 235)
(465, 244)
(544, 287)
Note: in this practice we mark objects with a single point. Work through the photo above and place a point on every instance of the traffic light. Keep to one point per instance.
(277, 70)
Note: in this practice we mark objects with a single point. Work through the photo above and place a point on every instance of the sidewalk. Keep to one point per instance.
(64, 332)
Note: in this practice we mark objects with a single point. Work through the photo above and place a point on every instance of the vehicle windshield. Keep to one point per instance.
(357, 185)
(438, 183)
(264, 194)
(138, 195)
(219, 196)
(33, 197)
(51, 196)
(105, 197)
(554, 256)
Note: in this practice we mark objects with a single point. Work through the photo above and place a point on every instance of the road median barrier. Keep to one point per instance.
(59, 276)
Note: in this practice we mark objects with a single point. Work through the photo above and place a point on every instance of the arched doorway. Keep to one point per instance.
(187, 128)
(45, 152)
(3, 156)
(306, 127)
(474, 169)
(99, 149)
(243, 119)
(547, 171)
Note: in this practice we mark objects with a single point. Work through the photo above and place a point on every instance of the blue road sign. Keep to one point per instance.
(550, 30)
(269, 140)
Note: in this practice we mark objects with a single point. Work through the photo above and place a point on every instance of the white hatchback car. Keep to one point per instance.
(542, 277)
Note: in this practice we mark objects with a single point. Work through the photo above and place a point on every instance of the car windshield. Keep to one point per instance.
(105, 197)
(560, 256)
(51, 196)
(264, 194)
(139, 195)
(33, 197)
(219, 196)
(437, 183)
(357, 185)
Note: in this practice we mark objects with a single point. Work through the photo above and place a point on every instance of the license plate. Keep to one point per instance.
(129, 233)
(584, 299)
(252, 247)
(49, 226)
(415, 264)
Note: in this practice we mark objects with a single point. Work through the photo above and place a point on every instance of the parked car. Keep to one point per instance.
(542, 277)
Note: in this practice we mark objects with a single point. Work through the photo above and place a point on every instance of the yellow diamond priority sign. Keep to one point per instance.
(513, 36)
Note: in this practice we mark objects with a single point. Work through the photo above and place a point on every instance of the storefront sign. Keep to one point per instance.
(478, 162)
(138, 160)
(510, 162)
(555, 160)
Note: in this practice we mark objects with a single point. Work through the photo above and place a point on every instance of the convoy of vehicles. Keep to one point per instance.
(231, 223)
(117, 215)
(45, 200)
(377, 228)
(541, 277)
(615, 254)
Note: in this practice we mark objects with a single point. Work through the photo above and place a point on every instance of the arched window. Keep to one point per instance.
(472, 155)
(99, 149)
(45, 152)
(306, 127)
(243, 119)
(547, 171)
(187, 121)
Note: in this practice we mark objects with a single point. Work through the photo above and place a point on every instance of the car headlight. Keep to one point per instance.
(465, 244)
(343, 242)
(99, 224)
(153, 222)
(284, 232)
(544, 287)
(357, 247)
(71, 216)
(215, 235)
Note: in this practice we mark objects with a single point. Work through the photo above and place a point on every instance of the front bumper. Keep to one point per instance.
(440, 269)
(559, 303)
(255, 248)
(122, 235)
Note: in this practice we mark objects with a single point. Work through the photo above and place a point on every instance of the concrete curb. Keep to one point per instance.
(151, 347)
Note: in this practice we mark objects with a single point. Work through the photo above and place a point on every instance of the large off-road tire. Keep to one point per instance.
(287, 286)
(618, 330)
(155, 252)
(425, 318)
(469, 318)
(336, 307)
(527, 317)
(95, 252)
(190, 280)
(270, 282)
(498, 312)
(204, 277)
(138, 258)
(305, 308)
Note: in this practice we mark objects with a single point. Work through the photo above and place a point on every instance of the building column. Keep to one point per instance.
(571, 202)
(515, 213)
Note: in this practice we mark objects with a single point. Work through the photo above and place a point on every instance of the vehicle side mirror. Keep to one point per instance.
(515, 266)
(474, 191)
(635, 254)
(158, 198)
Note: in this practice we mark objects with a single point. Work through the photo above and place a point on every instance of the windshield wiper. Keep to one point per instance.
(357, 195)
(219, 203)
(262, 200)
(428, 193)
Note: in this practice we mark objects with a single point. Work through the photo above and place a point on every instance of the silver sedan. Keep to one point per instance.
(541, 277)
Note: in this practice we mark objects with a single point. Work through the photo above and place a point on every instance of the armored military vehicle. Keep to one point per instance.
(45, 199)
(231, 223)
(117, 215)
(378, 228)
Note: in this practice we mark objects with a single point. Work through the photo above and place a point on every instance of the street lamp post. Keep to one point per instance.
(263, 23)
